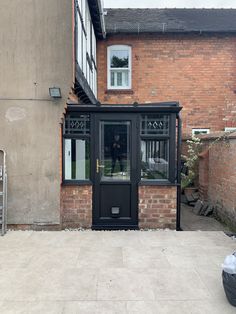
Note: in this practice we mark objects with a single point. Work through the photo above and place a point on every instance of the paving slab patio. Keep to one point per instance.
(193, 222)
(113, 272)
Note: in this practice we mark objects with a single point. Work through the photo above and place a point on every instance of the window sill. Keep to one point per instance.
(156, 182)
(76, 182)
(119, 91)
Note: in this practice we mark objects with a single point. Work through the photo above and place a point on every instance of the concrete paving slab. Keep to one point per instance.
(190, 221)
(158, 307)
(145, 258)
(216, 306)
(100, 257)
(178, 284)
(11, 307)
(95, 307)
(125, 284)
(179, 307)
(113, 272)
(121, 239)
(55, 258)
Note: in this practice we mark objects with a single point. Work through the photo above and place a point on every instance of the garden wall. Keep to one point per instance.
(217, 176)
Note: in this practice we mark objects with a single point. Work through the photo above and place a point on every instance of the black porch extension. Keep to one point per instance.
(118, 149)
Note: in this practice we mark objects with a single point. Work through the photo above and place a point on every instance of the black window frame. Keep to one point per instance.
(137, 112)
(85, 136)
(171, 137)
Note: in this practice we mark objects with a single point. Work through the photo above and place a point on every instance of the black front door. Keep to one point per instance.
(115, 189)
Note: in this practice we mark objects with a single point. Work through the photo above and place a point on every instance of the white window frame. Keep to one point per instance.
(129, 69)
(231, 129)
(207, 131)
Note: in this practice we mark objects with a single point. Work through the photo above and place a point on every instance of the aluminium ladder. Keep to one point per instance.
(3, 193)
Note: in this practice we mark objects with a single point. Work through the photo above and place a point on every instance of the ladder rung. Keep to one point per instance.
(3, 193)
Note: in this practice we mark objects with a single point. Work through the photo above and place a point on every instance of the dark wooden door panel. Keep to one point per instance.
(115, 202)
(115, 188)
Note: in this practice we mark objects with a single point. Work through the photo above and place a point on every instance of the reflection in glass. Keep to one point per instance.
(155, 124)
(115, 150)
(119, 78)
(154, 159)
(119, 59)
(77, 159)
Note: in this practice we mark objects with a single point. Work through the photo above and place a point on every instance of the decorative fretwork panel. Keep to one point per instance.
(79, 124)
(157, 124)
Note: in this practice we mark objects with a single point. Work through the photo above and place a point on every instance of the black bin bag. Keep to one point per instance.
(229, 283)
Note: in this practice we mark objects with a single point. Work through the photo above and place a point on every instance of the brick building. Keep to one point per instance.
(177, 54)
(106, 154)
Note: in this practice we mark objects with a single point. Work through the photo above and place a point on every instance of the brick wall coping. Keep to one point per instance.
(157, 183)
(212, 136)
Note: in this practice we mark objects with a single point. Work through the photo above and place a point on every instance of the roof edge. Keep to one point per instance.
(97, 15)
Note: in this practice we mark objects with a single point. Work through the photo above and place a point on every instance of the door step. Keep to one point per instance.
(111, 227)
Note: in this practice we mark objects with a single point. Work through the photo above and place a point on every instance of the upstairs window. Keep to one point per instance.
(119, 67)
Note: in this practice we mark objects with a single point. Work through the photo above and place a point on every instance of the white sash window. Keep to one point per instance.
(119, 67)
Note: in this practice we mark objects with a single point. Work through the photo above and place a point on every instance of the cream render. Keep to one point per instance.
(36, 53)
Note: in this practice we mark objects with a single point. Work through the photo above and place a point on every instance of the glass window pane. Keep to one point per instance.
(120, 78)
(126, 78)
(114, 157)
(157, 124)
(154, 159)
(119, 58)
(112, 78)
(77, 159)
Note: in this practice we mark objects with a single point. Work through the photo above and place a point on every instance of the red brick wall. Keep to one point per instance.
(222, 179)
(157, 207)
(198, 71)
(220, 168)
(203, 175)
(76, 206)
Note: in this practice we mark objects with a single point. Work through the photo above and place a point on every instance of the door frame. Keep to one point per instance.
(97, 224)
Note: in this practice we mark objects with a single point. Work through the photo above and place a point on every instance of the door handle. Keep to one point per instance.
(98, 166)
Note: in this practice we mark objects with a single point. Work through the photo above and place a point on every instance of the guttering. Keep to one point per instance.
(102, 20)
(178, 199)
(169, 107)
(166, 31)
(97, 16)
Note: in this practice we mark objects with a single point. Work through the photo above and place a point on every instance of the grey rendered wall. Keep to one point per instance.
(35, 54)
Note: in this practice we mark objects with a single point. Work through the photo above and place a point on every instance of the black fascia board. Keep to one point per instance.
(168, 107)
(96, 16)
(84, 86)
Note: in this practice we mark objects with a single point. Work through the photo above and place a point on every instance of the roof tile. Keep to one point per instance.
(170, 20)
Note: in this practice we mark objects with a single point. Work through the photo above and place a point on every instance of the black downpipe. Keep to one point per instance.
(179, 142)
